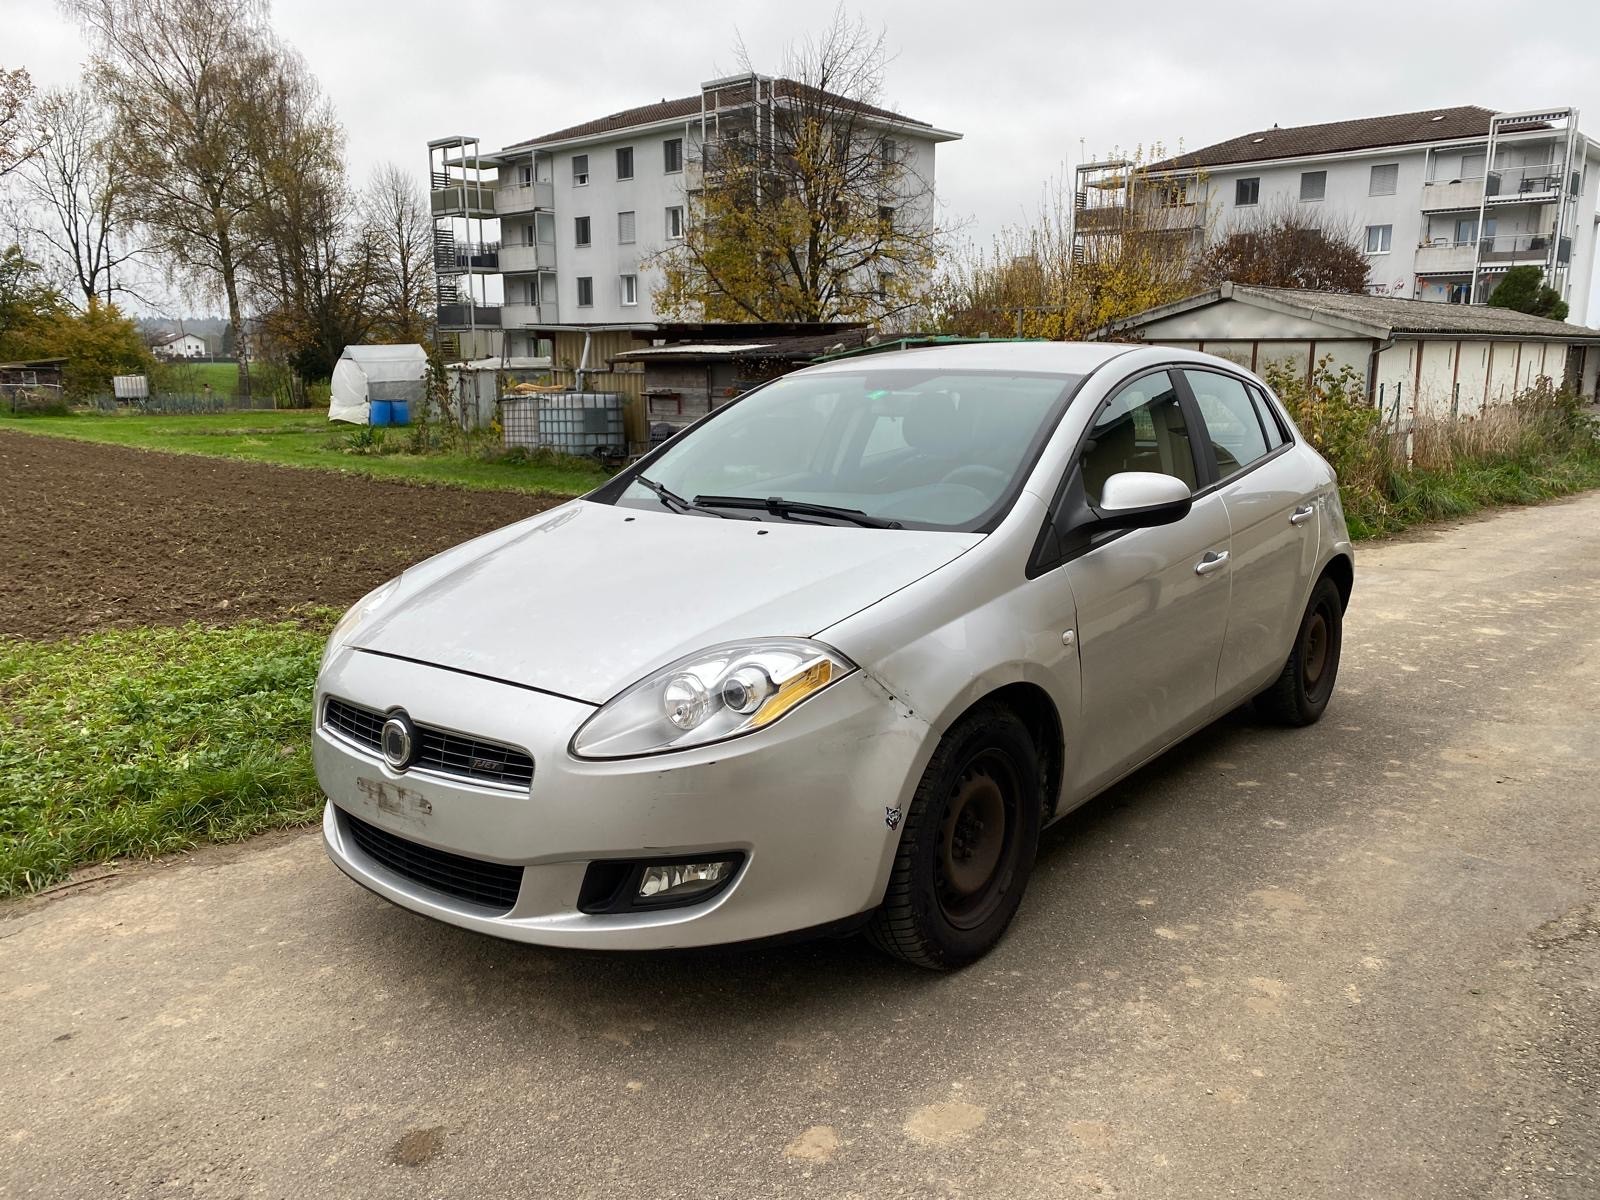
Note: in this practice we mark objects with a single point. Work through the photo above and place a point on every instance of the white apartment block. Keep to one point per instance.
(563, 226)
(1444, 202)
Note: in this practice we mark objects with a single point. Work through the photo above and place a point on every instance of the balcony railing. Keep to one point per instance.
(1447, 195)
(1458, 257)
(1444, 255)
(1118, 218)
(469, 316)
(469, 256)
(1521, 184)
(463, 199)
(524, 197)
(518, 258)
(520, 316)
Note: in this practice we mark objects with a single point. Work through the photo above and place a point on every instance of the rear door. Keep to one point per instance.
(1151, 604)
(1269, 503)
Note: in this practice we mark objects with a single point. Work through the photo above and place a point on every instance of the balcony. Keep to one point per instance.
(1446, 257)
(516, 260)
(471, 256)
(463, 200)
(1525, 185)
(1452, 195)
(1152, 218)
(469, 316)
(521, 316)
(524, 197)
(1515, 249)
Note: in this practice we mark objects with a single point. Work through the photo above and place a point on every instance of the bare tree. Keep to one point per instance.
(399, 230)
(310, 266)
(176, 75)
(1284, 245)
(20, 137)
(811, 204)
(73, 180)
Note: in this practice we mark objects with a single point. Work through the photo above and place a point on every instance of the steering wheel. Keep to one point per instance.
(977, 476)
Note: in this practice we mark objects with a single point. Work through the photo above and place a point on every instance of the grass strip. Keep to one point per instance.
(135, 743)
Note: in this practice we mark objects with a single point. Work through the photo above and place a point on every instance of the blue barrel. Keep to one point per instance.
(399, 412)
(380, 412)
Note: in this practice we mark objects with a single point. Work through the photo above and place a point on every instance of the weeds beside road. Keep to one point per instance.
(139, 742)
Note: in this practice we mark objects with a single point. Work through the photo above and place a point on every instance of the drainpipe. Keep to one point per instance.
(583, 362)
(1372, 367)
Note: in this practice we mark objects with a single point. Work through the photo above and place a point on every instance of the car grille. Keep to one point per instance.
(440, 752)
(491, 885)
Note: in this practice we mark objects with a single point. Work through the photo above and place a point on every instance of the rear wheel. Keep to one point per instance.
(1302, 690)
(968, 845)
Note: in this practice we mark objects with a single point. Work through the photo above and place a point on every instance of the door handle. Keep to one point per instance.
(1302, 514)
(1214, 560)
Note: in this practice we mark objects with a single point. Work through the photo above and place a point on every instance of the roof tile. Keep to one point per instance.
(1336, 137)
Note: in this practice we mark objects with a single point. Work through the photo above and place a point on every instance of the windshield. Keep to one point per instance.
(913, 448)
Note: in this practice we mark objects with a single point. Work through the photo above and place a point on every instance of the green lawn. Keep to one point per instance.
(222, 376)
(141, 742)
(305, 438)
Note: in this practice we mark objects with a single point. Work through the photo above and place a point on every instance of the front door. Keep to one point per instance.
(1152, 604)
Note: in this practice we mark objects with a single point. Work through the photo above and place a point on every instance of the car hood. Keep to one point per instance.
(589, 598)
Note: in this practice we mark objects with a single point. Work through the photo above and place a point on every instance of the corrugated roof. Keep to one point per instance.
(1401, 316)
(1380, 316)
(689, 106)
(1336, 137)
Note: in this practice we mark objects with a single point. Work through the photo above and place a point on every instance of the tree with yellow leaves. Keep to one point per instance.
(806, 206)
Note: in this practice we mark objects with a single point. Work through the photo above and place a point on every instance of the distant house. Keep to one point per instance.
(179, 345)
(1412, 355)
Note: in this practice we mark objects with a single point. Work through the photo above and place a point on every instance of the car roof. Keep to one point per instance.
(1066, 358)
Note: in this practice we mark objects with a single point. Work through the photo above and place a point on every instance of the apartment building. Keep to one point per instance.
(555, 233)
(1444, 202)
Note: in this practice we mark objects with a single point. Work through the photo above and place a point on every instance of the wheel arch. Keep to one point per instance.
(1040, 716)
(1342, 570)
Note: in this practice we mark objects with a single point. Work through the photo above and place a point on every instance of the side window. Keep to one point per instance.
(1141, 428)
(1269, 420)
(1230, 418)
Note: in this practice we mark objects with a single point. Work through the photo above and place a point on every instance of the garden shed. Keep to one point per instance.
(1416, 357)
(385, 374)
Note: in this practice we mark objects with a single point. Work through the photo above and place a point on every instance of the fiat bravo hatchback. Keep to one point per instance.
(834, 655)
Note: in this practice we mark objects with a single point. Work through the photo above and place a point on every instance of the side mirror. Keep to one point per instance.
(1141, 499)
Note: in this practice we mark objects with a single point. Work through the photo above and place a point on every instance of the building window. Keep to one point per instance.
(630, 290)
(886, 218)
(580, 230)
(624, 162)
(625, 228)
(525, 174)
(585, 291)
(580, 170)
(887, 152)
(1385, 178)
(672, 155)
(1313, 185)
(1247, 191)
(1378, 238)
(675, 222)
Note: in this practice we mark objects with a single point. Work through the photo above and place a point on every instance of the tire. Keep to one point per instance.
(1302, 690)
(967, 847)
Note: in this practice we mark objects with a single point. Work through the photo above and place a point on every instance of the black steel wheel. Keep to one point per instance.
(967, 845)
(1302, 690)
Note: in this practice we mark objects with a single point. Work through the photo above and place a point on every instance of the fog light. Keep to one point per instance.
(672, 881)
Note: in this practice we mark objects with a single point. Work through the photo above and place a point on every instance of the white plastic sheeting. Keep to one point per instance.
(367, 373)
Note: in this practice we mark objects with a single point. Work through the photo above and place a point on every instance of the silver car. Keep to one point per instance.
(832, 657)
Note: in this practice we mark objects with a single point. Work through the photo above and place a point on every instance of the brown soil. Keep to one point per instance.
(95, 537)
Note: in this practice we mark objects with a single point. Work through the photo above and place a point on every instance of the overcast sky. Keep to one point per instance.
(1027, 83)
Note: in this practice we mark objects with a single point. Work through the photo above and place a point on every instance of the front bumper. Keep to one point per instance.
(806, 802)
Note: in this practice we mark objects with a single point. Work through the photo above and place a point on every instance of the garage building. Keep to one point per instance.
(1433, 359)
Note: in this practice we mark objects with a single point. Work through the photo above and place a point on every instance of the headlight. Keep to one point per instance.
(711, 696)
(359, 612)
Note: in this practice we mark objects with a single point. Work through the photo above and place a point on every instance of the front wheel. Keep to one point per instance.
(1301, 692)
(968, 845)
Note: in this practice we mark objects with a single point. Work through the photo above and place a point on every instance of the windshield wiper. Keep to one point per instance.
(779, 507)
(672, 500)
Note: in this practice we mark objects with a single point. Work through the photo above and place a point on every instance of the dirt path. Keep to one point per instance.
(1351, 962)
(95, 537)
